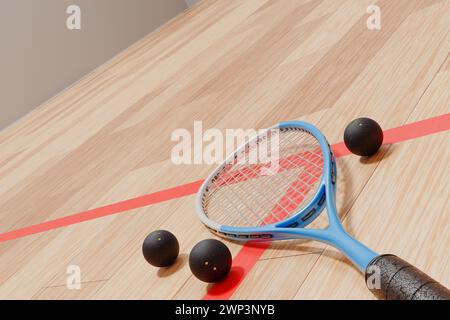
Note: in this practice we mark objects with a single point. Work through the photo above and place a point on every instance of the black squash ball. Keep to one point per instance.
(160, 248)
(363, 137)
(210, 260)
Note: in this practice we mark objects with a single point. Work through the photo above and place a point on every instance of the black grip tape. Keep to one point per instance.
(400, 280)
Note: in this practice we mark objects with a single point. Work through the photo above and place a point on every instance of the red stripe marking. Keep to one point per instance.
(249, 254)
(149, 199)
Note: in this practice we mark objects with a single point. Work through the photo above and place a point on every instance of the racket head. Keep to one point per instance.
(235, 187)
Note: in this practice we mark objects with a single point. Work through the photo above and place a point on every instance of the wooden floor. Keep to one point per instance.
(233, 64)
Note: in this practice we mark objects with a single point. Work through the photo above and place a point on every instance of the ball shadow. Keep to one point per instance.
(231, 281)
(384, 152)
(179, 263)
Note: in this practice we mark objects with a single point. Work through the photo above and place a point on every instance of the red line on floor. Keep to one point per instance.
(250, 253)
(149, 199)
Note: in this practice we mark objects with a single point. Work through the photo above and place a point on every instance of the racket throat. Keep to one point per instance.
(355, 251)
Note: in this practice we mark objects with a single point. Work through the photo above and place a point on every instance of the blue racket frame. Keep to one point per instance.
(293, 228)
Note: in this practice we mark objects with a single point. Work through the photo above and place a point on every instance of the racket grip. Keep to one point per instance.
(399, 280)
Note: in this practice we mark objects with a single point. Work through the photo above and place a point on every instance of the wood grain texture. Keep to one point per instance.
(232, 64)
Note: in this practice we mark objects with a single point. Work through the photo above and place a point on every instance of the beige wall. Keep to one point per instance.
(39, 56)
(191, 3)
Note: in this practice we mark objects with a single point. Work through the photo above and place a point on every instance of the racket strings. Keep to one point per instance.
(253, 202)
(258, 201)
(273, 218)
(296, 193)
(270, 188)
(241, 195)
(279, 211)
(261, 200)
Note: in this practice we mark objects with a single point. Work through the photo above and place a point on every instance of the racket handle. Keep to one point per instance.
(399, 280)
